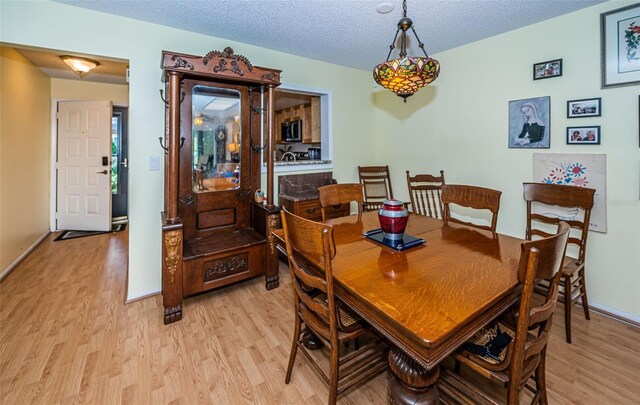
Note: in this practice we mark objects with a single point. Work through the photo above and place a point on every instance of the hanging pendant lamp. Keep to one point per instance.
(406, 75)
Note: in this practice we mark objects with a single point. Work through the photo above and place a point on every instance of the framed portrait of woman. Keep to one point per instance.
(529, 123)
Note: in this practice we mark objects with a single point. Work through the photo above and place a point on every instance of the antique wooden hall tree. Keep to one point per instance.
(219, 110)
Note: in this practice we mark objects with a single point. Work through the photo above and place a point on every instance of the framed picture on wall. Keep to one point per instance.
(529, 123)
(588, 107)
(620, 46)
(583, 135)
(545, 70)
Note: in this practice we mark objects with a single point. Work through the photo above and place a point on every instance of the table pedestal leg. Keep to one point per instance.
(411, 383)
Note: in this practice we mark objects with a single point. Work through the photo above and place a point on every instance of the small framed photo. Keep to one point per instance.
(545, 70)
(619, 42)
(583, 135)
(588, 107)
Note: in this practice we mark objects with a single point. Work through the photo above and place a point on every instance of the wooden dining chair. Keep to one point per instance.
(310, 245)
(577, 203)
(425, 190)
(511, 353)
(376, 183)
(471, 197)
(335, 194)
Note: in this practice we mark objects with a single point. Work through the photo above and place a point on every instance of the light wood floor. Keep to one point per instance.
(66, 337)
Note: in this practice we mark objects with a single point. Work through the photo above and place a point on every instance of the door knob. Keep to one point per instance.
(105, 171)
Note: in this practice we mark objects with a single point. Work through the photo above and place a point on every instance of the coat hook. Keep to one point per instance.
(166, 102)
(166, 150)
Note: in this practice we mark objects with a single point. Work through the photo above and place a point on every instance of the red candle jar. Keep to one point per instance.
(393, 218)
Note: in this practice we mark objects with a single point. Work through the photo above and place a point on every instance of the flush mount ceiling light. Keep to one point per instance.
(406, 75)
(82, 66)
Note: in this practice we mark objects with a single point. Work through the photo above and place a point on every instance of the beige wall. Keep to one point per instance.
(90, 91)
(24, 155)
(460, 124)
(141, 43)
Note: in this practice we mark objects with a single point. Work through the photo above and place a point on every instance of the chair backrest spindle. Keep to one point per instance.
(424, 191)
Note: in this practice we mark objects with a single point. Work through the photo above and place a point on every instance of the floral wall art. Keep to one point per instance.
(620, 39)
(578, 170)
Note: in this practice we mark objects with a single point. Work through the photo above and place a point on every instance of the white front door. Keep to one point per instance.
(84, 166)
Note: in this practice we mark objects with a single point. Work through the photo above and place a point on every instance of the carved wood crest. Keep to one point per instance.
(225, 56)
(179, 62)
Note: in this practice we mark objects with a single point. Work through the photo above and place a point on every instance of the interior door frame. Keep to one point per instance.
(53, 182)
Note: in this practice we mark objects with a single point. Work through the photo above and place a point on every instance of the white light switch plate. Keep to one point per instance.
(154, 163)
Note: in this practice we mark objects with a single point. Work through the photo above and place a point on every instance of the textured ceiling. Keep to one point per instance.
(347, 32)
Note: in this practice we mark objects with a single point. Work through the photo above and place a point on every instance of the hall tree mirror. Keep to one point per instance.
(216, 134)
(214, 232)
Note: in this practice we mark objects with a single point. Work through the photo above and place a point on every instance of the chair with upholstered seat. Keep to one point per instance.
(513, 353)
(425, 190)
(310, 249)
(576, 203)
(478, 198)
(376, 183)
(335, 194)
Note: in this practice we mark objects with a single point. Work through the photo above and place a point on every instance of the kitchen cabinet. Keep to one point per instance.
(316, 135)
(277, 126)
(309, 114)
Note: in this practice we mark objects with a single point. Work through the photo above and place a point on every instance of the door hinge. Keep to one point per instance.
(57, 115)
(57, 215)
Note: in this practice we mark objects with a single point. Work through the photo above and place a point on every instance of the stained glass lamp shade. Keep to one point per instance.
(406, 75)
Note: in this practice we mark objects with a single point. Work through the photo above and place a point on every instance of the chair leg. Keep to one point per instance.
(333, 378)
(568, 303)
(356, 344)
(541, 383)
(456, 367)
(583, 292)
(294, 349)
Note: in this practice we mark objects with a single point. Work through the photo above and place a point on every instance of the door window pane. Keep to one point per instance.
(115, 148)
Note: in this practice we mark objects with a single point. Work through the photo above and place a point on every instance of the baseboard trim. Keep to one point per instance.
(24, 254)
(615, 314)
(142, 297)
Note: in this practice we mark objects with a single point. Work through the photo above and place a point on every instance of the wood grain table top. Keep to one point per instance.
(429, 299)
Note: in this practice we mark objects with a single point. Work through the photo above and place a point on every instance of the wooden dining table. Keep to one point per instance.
(427, 300)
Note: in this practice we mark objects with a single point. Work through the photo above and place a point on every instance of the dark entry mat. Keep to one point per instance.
(79, 234)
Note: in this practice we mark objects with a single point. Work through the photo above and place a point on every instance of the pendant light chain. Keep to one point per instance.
(404, 8)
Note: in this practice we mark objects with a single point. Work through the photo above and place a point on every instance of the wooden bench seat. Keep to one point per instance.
(221, 243)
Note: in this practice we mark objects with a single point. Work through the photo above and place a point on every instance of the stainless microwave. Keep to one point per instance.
(292, 131)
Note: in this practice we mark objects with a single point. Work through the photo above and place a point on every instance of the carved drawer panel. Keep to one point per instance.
(213, 271)
(225, 266)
